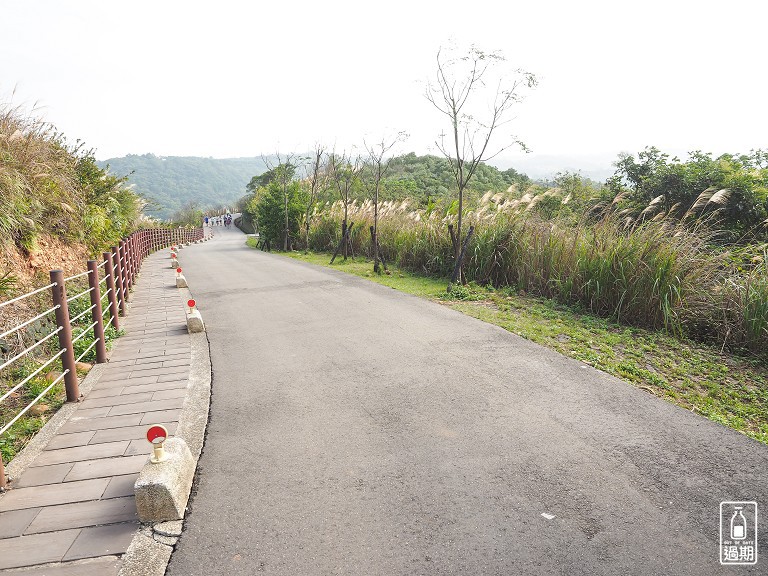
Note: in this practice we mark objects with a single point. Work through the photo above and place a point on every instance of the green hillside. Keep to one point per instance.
(170, 182)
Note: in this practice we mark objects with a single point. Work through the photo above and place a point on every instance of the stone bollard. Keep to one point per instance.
(174, 263)
(181, 281)
(162, 489)
(195, 322)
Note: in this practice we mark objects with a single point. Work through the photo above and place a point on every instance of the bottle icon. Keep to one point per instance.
(738, 525)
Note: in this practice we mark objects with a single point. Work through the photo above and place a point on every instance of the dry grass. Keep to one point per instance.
(652, 268)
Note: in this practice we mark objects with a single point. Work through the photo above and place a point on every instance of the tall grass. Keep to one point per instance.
(654, 270)
(49, 187)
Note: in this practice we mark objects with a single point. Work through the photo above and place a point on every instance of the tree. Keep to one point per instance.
(658, 183)
(315, 181)
(345, 172)
(377, 167)
(278, 209)
(190, 214)
(459, 92)
(282, 175)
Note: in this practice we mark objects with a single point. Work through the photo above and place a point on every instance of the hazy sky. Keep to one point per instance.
(236, 78)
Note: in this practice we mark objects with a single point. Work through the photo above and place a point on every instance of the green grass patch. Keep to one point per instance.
(726, 388)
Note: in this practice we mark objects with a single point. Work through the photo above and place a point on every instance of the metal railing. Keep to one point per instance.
(119, 267)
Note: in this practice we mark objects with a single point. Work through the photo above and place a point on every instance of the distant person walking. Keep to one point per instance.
(206, 220)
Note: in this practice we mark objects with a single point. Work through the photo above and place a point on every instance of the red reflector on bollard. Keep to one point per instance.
(157, 433)
(191, 303)
(178, 270)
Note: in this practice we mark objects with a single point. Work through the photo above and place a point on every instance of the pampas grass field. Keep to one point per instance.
(656, 269)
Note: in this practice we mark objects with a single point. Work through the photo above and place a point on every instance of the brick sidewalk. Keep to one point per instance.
(75, 501)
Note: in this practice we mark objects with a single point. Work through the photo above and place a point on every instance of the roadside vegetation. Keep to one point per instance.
(659, 271)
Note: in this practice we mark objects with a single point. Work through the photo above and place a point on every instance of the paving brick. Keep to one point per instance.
(110, 376)
(174, 377)
(53, 494)
(126, 381)
(168, 394)
(161, 417)
(178, 351)
(156, 351)
(140, 446)
(80, 424)
(84, 514)
(102, 540)
(117, 400)
(40, 475)
(179, 362)
(157, 386)
(186, 356)
(146, 366)
(13, 524)
(167, 371)
(123, 350)
(104, 566)
(146, 406)
(122, 362)
(121, 486)
(80, 453)
(92, 412)
(37, 549)
(126, 433)
(70, 440)
(105, 391)
(105, 468)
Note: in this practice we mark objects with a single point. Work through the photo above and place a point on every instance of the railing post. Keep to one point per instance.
(119, 279)
(127, 265)
(98, 329)
(109, 270)
(59, 292)
(136, 256)
(3, 480)
(132, 257)
(123, 269)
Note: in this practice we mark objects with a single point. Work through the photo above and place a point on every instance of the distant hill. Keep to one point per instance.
(544, 167)
(170, 182)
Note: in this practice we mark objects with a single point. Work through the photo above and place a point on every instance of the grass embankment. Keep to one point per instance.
(726, 388)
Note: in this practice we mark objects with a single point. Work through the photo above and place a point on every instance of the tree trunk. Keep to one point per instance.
(344, 250)
(375, 230)
(457, 269)
(285, 240)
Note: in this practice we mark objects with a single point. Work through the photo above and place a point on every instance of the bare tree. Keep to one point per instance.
(377, 168)
(316, 176)
(345, 172)
(460, 88)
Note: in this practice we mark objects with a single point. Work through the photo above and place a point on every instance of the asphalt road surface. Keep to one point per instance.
(358, 430)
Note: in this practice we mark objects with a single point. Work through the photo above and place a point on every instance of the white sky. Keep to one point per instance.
(230, 78)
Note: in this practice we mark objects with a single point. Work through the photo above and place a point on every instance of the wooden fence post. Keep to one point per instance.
(3, 480)
(119, 280)
(109, 270)
(59, 293)
(98, 329)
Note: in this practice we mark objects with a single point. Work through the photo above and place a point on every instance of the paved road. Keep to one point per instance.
(357, 430)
